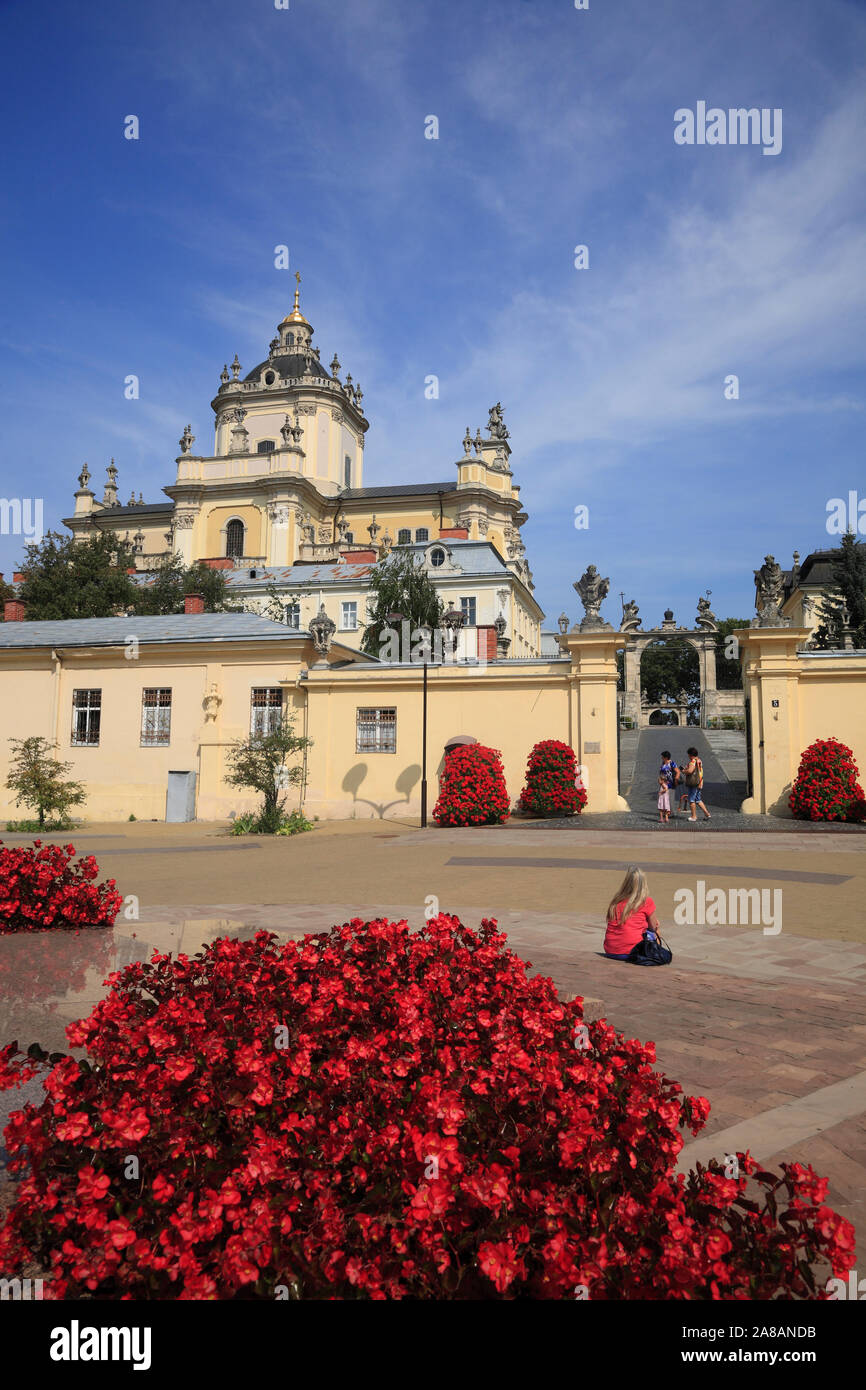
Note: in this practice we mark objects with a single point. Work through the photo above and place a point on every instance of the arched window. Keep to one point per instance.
(404, 536)
(235, 538)
(349, 538)
(422, 534)
(265, 446)
(290, 340)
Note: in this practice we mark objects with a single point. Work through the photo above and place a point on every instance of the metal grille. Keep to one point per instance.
(86, 714)
(235, 538)
(376, 731)
(266, 710)
(155, 718)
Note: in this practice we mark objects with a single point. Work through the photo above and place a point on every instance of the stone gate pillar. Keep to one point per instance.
(593, 681)
(709, 690)
(631, 680)
(771, 674)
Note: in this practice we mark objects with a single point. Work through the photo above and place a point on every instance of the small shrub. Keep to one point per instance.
(262, 823)
(41, 888)
(472, 790)
(32, 827)
(550, 788)
(826, 784)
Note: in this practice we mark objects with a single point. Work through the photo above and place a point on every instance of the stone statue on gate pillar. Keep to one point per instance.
(592, 590)
(768, 595)
(630, 617)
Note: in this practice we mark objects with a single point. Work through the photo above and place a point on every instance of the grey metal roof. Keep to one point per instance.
(396, 490)
(113, 632)
(473, 557)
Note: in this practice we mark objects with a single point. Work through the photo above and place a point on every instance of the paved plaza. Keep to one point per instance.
(770, 1027)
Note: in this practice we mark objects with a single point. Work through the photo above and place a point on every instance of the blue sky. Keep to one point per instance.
(455, 256)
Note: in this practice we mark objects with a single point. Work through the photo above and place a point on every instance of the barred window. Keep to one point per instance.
(266, 710)
(155, 718)
(376, 731)
(422, 534)
(86, 712)
(265, 446)
(235, 538)
(404, 536)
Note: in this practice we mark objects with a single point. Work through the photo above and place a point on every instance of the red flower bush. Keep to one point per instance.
(827, 786)
(379, 1113)
(41, 888)
(472, 788)
(550, 774)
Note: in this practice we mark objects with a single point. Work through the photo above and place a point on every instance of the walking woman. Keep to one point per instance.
(694, 783)
(631, 913)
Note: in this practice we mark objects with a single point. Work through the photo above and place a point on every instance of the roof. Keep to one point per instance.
(397, 490)
(115, 632)
(290, 365)
(473, 557)
(141, 509)
(817, 569)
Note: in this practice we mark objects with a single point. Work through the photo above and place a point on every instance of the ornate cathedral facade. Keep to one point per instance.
(280, 504)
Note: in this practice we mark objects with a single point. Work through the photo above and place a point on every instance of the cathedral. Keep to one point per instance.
(280, 505)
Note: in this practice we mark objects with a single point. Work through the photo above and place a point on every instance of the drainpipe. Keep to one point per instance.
(57, 658)
(301, 684)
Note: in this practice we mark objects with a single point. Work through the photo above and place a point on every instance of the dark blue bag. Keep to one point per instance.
(650, 950)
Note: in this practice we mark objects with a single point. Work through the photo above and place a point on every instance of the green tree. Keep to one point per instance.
(38, 779)
(65, 578)
(260, 763)
(400, 584)
(669, 668)
(843, 609)
(729, 672)
(172, 580)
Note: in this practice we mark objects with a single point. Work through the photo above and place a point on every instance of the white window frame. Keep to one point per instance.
(156, 717)
(376, 729)
(266, 715)
(469, 609)
(83, 703)
(344, 625)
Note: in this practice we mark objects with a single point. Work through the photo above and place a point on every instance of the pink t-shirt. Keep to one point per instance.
(621, 936)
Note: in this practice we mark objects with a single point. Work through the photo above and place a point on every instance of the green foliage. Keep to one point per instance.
(38, 780)
(255, 823)
(729, 672)
(64, 578)
(844, 608)
(172, 580)
(32, 827)
(400, 584)
(669, 667)
(260, 763)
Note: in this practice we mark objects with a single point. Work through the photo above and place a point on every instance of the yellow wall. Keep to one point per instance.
(797, 697)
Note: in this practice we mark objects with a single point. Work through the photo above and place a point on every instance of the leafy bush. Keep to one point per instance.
(379, 1113)
(260, 823)
(826, 785)
(472, 788)
(550, 774)
(31, 827)
(41, 888)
